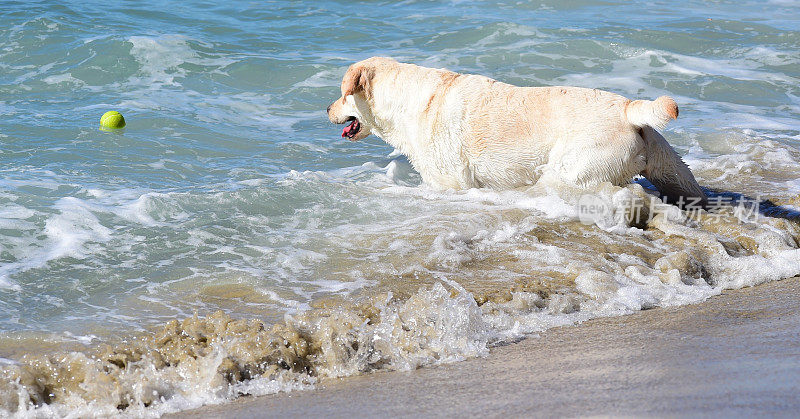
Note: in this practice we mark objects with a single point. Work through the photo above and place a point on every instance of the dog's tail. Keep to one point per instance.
(667, 172)
(654, 113)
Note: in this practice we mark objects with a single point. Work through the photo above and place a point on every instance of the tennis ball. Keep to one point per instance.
(112, 119)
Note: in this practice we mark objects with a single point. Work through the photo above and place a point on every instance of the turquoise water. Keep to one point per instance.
(229, 189)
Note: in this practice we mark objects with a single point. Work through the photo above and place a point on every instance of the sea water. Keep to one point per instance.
(229, 242)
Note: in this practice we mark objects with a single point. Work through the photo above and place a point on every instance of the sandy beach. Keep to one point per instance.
(736, 354)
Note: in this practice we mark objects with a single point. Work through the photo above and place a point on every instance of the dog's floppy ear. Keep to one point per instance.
(357, 79)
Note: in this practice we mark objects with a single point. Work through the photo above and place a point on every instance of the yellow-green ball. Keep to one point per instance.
(112, 119)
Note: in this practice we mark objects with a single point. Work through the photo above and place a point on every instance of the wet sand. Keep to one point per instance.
(735, 354)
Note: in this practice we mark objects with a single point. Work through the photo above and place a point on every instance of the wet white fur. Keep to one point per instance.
(464, 131)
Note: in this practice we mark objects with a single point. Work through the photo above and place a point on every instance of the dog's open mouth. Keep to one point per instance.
(352, 129)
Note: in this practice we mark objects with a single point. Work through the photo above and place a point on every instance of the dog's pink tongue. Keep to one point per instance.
(347, 131)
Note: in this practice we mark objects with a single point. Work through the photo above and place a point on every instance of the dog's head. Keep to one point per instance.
(354, 107)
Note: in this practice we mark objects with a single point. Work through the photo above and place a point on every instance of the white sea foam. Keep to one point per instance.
(63, 78)
(161, 57)
(465, 236)
(454, 327)
(74, 232)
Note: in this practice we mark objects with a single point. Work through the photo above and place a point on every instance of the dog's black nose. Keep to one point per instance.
(329, 109)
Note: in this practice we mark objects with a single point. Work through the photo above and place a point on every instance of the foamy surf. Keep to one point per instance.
(520, 271)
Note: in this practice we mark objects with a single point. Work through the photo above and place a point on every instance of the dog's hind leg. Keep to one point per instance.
(666, 170)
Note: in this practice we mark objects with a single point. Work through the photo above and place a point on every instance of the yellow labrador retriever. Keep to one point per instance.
(463, 131)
